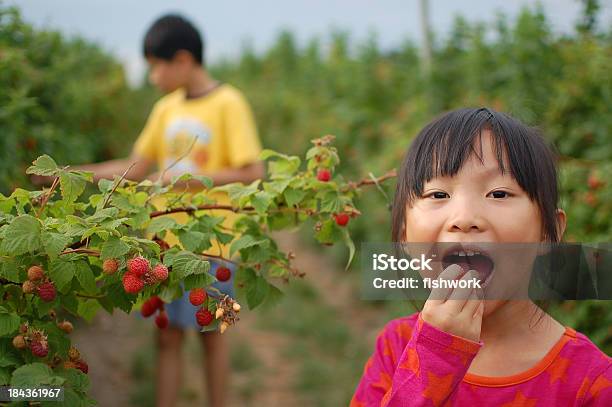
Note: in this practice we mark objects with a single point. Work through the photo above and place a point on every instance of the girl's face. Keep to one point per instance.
(478, 204)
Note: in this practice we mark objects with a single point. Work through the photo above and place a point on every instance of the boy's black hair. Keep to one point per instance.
(443, 146)
(171, 33)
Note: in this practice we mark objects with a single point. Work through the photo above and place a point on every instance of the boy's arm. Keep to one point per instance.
(245, 174)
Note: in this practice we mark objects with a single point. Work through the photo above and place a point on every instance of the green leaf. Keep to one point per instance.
(22, 236)
(257, 291)
(261, 201)
(72, 185)
(35, 375)
(294, 196)
(351, 246)
(162, 223)
(43, 165)
(61, 273)
(329, 232)
(88, 309)
(105, 185)
(245, 242)
(9, 323)
(9, 270)
(54, 243)
(9, 356)
(114, 248)
(85, 277)
(102, 215)
(195, 241)
(198, 280)
(186, 263)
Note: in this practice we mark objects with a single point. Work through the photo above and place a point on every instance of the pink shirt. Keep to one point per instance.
(416, 364)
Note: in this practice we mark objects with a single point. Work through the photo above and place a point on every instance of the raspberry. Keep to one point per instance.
(110, 266)
(197, 296)
(323, 175)
(28, 287)
(19, 342)
(35, 273)
(161, 320)
(138, 266)
(223, 326)
(204, 317)
(150, 306)
(223, 274)
(132, 284)
(82, 366)
(160, 273)
(65, 326)
(73, 354)
(341, 219)
(46, 291)
(39, 348)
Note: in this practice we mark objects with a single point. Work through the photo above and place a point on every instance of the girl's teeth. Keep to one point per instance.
(470, 253)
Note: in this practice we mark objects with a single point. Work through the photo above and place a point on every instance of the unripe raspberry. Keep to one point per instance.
(223, 326)
(204, 317)
(73, 354)
(161, 320)
(160, 273)
(138, 266)
(19, 342)
(39, 348)
(65, 326)
(110, 266)
(28, 287)
(69, 365)
(219, 313)
(35, 273)
(132, 284)
(46, 291)
(197, 296)
(23, 328)
(236, 307)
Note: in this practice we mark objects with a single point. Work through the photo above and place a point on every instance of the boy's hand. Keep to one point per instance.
(455, 311)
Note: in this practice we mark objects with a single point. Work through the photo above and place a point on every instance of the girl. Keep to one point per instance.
(475, 175)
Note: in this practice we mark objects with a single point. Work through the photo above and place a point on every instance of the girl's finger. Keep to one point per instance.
(473, 302)
(461, 295)
(440, 294)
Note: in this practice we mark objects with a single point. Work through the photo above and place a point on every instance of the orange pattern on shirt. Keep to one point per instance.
(437, 387)
(520, 400)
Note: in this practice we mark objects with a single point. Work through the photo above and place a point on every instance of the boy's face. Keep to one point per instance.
(478, 204)
(168, 76)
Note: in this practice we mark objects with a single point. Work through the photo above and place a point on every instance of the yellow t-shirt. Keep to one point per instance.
(222, 122)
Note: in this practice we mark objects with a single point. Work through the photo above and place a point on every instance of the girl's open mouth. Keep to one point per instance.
(471, 259)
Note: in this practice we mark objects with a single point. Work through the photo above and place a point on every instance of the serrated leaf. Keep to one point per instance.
(43, 165)
(294, 196)
(185, 263)
(198, 280)
(35, 375)
(61, 273)
(245, 242)
(105, 185)
(195, 241)
(54, 243)
(72, 185)
(102, 215)
(114, 248)
(161, 223)
(85, 276)
(22, 236)
(88, 309)
(257, 291)
(9, 323)
(261, 201)
(9, 356)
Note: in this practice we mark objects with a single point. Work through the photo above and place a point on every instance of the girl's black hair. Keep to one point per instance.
(445, 144)
(172, 33)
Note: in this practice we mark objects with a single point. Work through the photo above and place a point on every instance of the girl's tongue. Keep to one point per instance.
(478, 262)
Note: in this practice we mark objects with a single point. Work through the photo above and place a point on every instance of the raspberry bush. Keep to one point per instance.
(63, 254)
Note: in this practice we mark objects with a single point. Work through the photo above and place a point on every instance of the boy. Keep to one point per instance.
(212, 126)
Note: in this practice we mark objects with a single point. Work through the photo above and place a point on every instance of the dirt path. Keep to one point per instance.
(110, 343)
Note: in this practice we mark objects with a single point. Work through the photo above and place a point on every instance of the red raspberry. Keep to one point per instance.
(223, 274)
(323, 175)
(161, 320)
(65, 326)
(82, 366)
(46, 291)
(197, 296)
(35, 273)
(204, 317)
(39, 348)
(132, 284)
(160, 273)
(138, 266)
(341, 219)
(150, 306)
(110, 266)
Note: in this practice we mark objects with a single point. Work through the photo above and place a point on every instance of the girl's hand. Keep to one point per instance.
(456, 311)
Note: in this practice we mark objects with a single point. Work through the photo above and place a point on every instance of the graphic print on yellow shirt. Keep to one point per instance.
(225, 134)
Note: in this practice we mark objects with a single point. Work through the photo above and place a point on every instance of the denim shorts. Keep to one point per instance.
(181, 313)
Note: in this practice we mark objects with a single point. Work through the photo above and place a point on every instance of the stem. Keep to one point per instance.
(161, 175)
(91, 252)
(110, 194)
(95, 297)
(47, 196)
